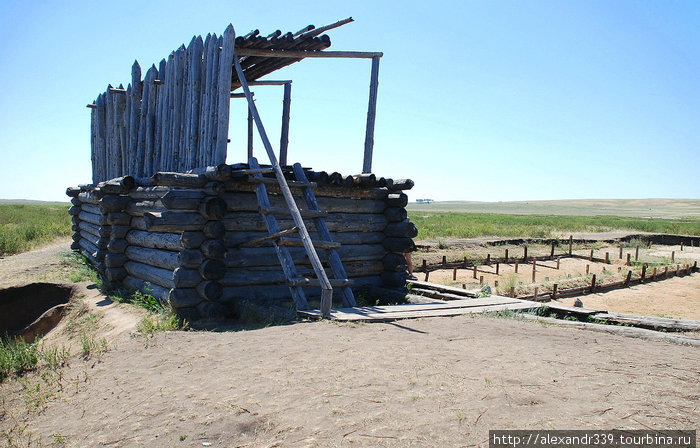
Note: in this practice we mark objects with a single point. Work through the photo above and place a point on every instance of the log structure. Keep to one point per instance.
(199, 240)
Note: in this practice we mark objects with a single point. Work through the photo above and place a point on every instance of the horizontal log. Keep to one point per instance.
(99, 242)
(266, 256)
(192, 240)
(394, 244)
(214, 230)
(75, 201)
(186, 278)
(72, 192)
(118, 219)
(74, 210)
(157, 276)
(212, 208)
(184, 298)
(182, 199)
(338, 222)
(119, 231)
(113, 202)
(243, 201)
(88, 197)
(155, 257)
(404, 228)
(212, 310)
(101, 231)
(115, 260)
(219, 172)
(261, 293)
(190, 258)
(173, 221)
(146, 287)
(179, 180)
(117, 245)
(395, 214)
(117, 185)
(321, 191)
(139, 208)
(154, 240)
(91, 208)
(273, 275)
(402, 184)
(394, 263)
(98, 220)
(214, 249)
(297, 54)
(92, 249)
(210, 290)
(235, 239)
(115, 274)
(212, 269)
(397, 200)
(99, 265)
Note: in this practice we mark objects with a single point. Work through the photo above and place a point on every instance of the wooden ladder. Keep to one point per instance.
(279, 237)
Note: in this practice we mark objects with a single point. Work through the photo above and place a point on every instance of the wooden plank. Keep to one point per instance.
(135, 152)
(650, 322)
(443, 288)
(159, 119)
(195, 74)
(371, 115)
(284, 135)
(295, 54)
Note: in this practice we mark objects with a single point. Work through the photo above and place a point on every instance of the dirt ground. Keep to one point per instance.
(427, 382)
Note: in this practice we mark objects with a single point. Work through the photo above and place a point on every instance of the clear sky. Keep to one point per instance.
(478, 100)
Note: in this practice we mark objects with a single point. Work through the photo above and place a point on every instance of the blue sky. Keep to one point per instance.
(484, 101)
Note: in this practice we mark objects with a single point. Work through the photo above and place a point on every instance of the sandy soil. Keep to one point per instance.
(428, 382)
(39, 265)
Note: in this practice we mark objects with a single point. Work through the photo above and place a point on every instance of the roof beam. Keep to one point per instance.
(295, 54)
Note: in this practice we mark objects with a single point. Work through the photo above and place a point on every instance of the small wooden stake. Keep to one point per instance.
(481, 280)
(628, 260)
(488, 259)
(534, 296)
(516, 267)
(454, 274)
(636, 254)
(666, 272)
(512, 291)
(593, 283)
(464, 263)
(554, 291)
(571, 242)
(506, 256)
(607, 257)
(558, 260)
(534, 268)
(629, 277)
(427, 274)
(588, 267)
(644, 272)
(495, 283)
(497, 267)
(425, 266)
(444, 261)
(673, 256)
(474, 271)
(464, 286)
(551, 254)
(681, 246)
(620, 252)
(525, 253)
(653, 275)
(591, 254)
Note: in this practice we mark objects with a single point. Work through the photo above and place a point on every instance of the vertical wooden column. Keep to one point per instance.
(250, 134)
(371, 115)
(284, 137)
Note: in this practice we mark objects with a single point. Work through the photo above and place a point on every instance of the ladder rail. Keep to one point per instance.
(326, 288)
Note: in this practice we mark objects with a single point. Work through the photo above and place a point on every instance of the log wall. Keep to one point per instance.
(182, 237)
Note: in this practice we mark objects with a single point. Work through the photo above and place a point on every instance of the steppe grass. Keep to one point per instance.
(24, 226)
(469, 225)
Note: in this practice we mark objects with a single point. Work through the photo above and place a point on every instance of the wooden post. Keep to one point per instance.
(224, 96)
(506, 256)
(673, 256)
(250, 134)
(495, 283)
(525, 253)
(534, 268)
(644, 272)
(425, 266)
(371, 115)
(591, 259)
(497, 267)
(681, 246)
(636, 254)
(454, 274)
(464, 263)
(284, 138)
(551, 254)
(534, 296)
(653, 274)
(558, 260)
(588, 267)
(475, 272)
(628, 278)
(593, 283)
(607, 257)
(516, 267)
(628, 260)
(481, 279)
(620, 252)
(427, 274)
(488, 259)
(678, 267)
(554, 291)
(444, 261)
(571, 242)
(512, 291)
(666, 272)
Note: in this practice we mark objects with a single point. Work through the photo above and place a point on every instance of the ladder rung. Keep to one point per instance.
(291, 183)
(335, 283)
(260, 241)
(286, 211)
(317, 244)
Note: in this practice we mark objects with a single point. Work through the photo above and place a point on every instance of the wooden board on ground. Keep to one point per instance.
(438, 309)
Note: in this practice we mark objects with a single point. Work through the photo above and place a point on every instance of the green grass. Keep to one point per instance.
(18, 357)
(24, 226)
(469, 225)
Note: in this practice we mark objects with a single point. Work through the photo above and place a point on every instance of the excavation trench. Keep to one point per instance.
(32, 310)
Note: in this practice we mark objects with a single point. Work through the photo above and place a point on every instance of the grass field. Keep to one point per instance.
(470, 225)
(636, 208)
(27, 225)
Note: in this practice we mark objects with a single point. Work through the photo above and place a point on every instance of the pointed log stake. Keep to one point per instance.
(371, 115)
(224, 90)
(326, 289)
(284, 137)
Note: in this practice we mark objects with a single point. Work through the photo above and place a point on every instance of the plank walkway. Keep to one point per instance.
(436, 309)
